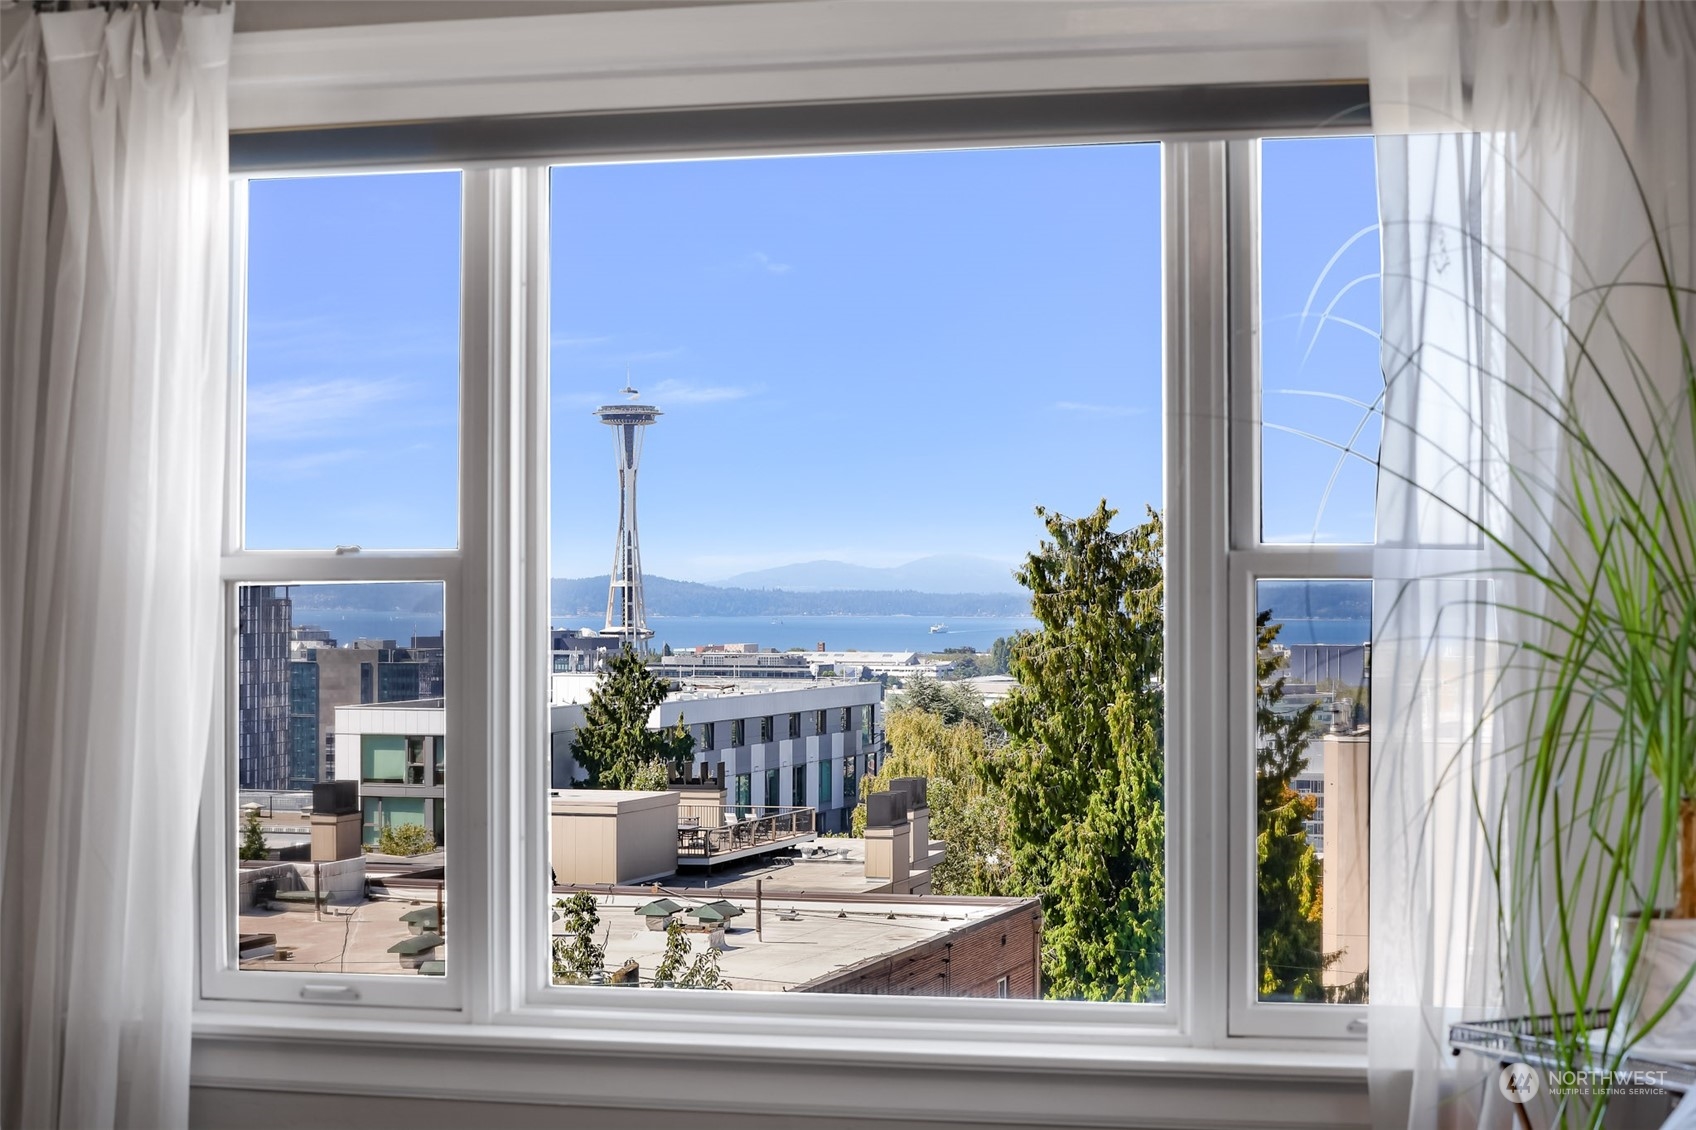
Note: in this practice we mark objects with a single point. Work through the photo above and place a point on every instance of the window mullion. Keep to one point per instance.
(1249, 561)
(1197, 541)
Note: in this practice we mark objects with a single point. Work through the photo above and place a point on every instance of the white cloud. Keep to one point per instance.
(300, 410)
(681, 392)
(1098, 409)
(327, 339)
(760, 261)
(306, 465)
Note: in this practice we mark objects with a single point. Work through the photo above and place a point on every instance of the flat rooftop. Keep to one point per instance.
(804, 939)
(343, 939)
(833, 865)
(695, 687)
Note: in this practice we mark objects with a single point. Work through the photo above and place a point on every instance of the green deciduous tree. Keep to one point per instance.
(1290, 898)
(615, 746)
(577, 957)
(405, 839)
(1084, 776)
(1000, 655)
(967, 810)
(252, 837)
(676, 970)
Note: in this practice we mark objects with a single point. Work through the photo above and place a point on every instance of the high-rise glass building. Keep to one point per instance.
(303, 722)
(262, 728)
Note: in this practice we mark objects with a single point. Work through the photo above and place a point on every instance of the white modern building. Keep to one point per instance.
(772, 744)
(897, 665)
(401, 765)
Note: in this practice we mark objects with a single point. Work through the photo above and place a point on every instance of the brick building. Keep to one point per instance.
(996, 956)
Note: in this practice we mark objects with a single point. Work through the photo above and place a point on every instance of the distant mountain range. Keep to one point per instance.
(587, 596)
(940, 573)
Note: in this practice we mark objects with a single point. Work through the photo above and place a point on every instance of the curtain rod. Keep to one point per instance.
(45, 6)
(1041, 117)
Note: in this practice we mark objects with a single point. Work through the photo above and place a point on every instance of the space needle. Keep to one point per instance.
(627, 617)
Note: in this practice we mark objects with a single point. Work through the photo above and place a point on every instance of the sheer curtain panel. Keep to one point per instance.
(114, 206)
(1508, 206)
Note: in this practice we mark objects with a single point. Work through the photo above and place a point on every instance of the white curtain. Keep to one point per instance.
(114, 307)
(1505, 197)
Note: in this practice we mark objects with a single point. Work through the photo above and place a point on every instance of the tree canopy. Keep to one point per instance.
(966, 809)
(615, 746)
(951, 702)
(252, 837)
(1289, 895)
(1084, 774)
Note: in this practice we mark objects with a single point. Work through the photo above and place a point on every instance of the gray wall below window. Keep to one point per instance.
(294, 15)
(213, 1108)
(216, 1108)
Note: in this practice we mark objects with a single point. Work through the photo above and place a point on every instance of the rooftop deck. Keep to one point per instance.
(709, 834)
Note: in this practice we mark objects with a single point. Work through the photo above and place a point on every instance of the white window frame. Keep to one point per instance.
(1251, 560)
(496, 580)
(466, 648)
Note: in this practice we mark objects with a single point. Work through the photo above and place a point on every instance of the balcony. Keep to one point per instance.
(711, 833)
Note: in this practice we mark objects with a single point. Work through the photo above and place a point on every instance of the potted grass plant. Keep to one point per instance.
(1593, 841)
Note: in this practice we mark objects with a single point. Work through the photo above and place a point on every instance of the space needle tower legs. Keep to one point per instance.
(627, 617)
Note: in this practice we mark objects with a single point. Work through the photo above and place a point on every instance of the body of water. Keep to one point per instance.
(1299, 630)
(347, 625)
(837, 633)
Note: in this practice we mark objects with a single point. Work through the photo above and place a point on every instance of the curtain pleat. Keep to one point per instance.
(1505, 200)
(114, 214)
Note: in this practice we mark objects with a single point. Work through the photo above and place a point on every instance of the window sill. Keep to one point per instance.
(668, 1068)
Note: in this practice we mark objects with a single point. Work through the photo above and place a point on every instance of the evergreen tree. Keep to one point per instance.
(1084, 777)
(1290, 876)
(252, 837)
(615, 746)
(950, 702)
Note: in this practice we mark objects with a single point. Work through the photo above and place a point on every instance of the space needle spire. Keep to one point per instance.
(627, 616)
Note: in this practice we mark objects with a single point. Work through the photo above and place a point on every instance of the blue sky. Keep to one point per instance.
(869, 358)
(1320, 314)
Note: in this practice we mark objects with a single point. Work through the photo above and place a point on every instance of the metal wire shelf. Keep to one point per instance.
(1530, 1039)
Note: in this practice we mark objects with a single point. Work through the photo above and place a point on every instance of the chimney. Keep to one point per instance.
(335, 821)
(820, 647)
(889, 850)
(916, 790)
